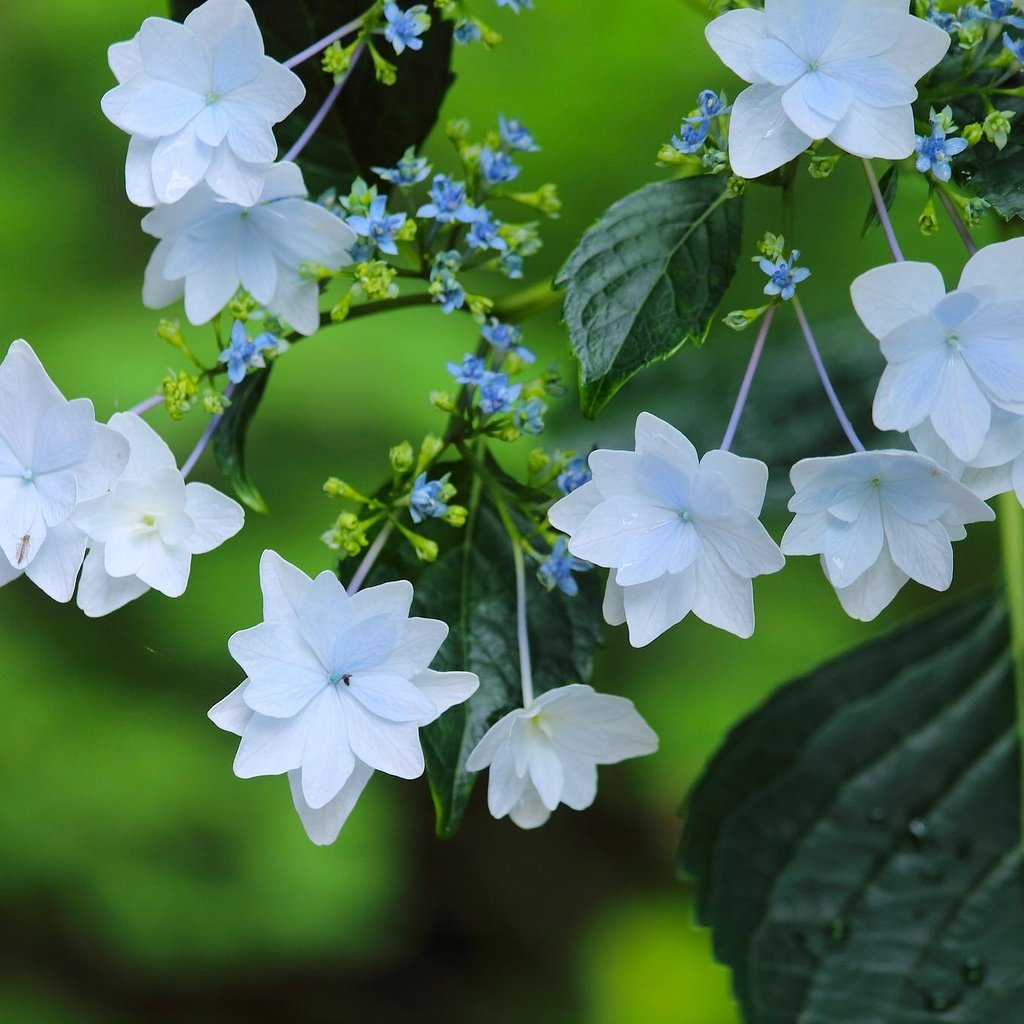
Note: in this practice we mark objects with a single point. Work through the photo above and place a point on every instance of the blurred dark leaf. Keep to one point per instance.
(855, 843)
(231, 433)
(472, 587)
(647, 278)
(889, 184)
(371, 124)
(996, 175)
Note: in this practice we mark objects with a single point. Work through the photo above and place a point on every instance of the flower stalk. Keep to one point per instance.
(748, 380)
(1011, 531)
(883, 213)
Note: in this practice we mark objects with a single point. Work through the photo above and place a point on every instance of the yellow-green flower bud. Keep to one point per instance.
(340, 310)
(479, 305)
(387, 73)
(375, 280)
(443, 401)
(429, 450)
(545, 199)
(509, 433)
(426, 549)
(736, 186)
(407, 232)
(214, 403)
(537, 461)
(771, 246)
(973, 133)
(179, 393)
(997, 127)
(741, 319)
(335, 488)
(400, 457)
(821, 167)
(337, 59)
(457, 129)
(456, 515)
(928, 219)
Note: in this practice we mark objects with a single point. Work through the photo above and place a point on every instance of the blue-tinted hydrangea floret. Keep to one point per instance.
(505, 338)
(470, 371)
(711, 104)
(483, 232)
(558, 568)
(466, 32)
(575, 474)
(1000, 10)
(425, 498)
(447, 291)
(692, 134)
(410, 169)
(528, 416)
(243, 351)
(448, 202)
(1015, 46)
(404, 28)
(784, 275)
(511, 265)
(517, 5)
(945, 21)
(515, 135)
(496, 393)
(497, 166)
(379, 226)
(935, 151)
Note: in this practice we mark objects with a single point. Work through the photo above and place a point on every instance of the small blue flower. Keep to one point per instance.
(575, 474)
(505, 338)
(529, 416)
(517, 5)
(497, 167)
(405, 27)
(447, 291)
(483, 232)
(515, 136)
(425, 498)
(242, 352)
(379, 226)
(466, 32)
(410, 170)
(947, 22)
(557, 570)
(469, 371)
(449, 202)
(999, 10)
(692, 133)
(450, 261)
(935, 151)
(496, 394)
(511, 265)
(711, 104)
(1015, 46)
(784, 275)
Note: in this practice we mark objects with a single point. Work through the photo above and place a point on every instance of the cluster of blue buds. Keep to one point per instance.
(696, 128)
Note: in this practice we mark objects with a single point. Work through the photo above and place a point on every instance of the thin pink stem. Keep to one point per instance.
(958, 223)
(883, 213)
(325, 108)
(204, 439)
(819, 365)
(149, 403)
(322, 44)
(748, 379)
(371, 556)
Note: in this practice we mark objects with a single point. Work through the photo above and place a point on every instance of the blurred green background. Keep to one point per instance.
(139, 880)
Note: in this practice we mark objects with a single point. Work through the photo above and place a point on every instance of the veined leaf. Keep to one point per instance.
(647, 278)
(855, 845)
(231, 433)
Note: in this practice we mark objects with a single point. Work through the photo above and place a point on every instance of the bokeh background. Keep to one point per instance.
(139, 880)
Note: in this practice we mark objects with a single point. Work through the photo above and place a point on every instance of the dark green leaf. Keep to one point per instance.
(231, 432)
(889, 184)
(472, 588)
(371, 124)
(647, 278)
(855, 843)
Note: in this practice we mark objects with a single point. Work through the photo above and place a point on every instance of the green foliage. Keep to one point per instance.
(996, 175)
(854, 845)
(472, 587)
(889, 183)
(647, 278)
(371, 124)
(230, 434)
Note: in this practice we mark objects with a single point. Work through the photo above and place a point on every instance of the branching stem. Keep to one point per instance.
(322, 44)
(370, 558)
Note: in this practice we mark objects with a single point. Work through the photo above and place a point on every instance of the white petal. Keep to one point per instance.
(568, 513)
(620, 531)
(99, 593)
(165, 567)
(272, 94)
(7, 571)
(65, 437)
(26, 395)
(733, 37)
(545, 769)
(613, 607)
(496, 739)
(605, 728)
(170, 53)
(722, 597)
(907, 392)
(124, 59)
(149, 451)
(921, 550)
(138, 171)
(284, 589)
(651, 608)
(1000, 264)
(271, 746)
(150, 108)
(993, 347)
(232, 39)
(579, 785)
(747, 479)
(55, 567)
(257, 269)
(232, 714)
(158, 290)
(529, 811)
(446, 689)
(391, 697)
(297, 302)
(851, 548)
(646, 477)
(873, 590)
(237, 181)
(806, 534)
(251, 139)
(656, 437)
(775, 63)
(216, 516)
(285, 673)
(505, 787)
(802, 102)
(878, 83)
(179, 162)
(761, 136)
(392, 747)
(920, 46)
(744, 545)
(327, 759)
(323, 824)
(961, 414)
(887, 297)
(872, 132)
(209, 290)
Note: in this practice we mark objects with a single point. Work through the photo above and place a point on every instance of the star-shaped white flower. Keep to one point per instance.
(842, 70)
(53, 455)
(209, 248)
(199, 100)
(680, 534)
(878, 519)
(952, 359)
(548, 753)
(338, 686)
(144, 532)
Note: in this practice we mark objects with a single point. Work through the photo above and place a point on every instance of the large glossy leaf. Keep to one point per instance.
(232, 432)
(371, 124)
(647, 278)
(472, 588)
(855, 844)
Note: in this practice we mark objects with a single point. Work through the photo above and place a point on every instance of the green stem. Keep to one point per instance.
(522, 635)
(1011, 527)
(526, 303)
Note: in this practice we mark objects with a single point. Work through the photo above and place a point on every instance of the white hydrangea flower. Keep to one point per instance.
(679, 533)
(209, 248)
(842, 70)
(548, 753)
(878, 519)
(144, 532)
(53, 455)
(199, 100)
(338, 686)
(952, 359)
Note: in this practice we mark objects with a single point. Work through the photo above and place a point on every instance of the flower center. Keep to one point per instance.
(211, 98)
(149, 520)
(685, 515)
(339, 677)
(28, 476)
(813, 65)
(953, 341)
(876, 481)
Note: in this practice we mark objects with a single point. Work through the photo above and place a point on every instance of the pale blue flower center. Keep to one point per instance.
(149, 520)
(685, 515)
(813, 65)
(876, 481)
(339, 677)
(211, 98)
(953, 340)
(28, 476)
